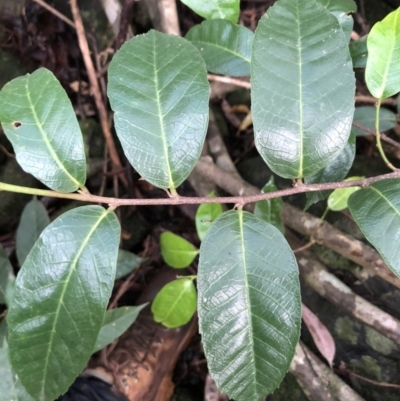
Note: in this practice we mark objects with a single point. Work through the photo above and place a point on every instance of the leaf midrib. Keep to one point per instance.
(386, 199)
(223, 48)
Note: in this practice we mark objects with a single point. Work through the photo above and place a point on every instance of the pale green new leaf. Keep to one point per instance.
(382, 73)
(116, 322)
(34, 220)
(249, 305)
(308, 69)
(269, 210)
(175, 303)
(127, 262)
(224, 46)
(176, 251)
(6, 277)
(366, 115)
(39, 121)
(11, 388)
(205, 215)
(159, 91)
(338, 199)
(61, 295)
(359, 52)
(376, 210)
(333, 172)
(215, 9)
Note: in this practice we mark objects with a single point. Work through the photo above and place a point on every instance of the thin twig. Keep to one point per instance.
(83, 44)
(384, 137)
(374, 382)
(229, 80)
(372, 100)
(55, 12)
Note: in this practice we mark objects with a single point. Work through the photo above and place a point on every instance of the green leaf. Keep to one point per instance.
(127, 262)
(215, 9)
(383, 65)
(333, 172)
(205, 215)
(249, 305)
(176, 251)
(116, 322)
(39, 121)
(3, 332)
(338, 199)
(175, 303)
(224, 46)
(60, 299)
(376, 210)
(11, 388)
(159, 91)
(34, 220)
(269, 210)
(365, 116)
(6, 277)
(308, 69)
(359, 52)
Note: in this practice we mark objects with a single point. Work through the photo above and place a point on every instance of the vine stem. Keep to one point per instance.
(182, 200)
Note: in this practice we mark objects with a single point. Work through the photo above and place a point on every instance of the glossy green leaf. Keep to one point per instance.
(338, 199)
(365, 116)
(39, 121)
(382, 73)
(215, 9)
(269, 210)
(34, 220)
(308, 69)
(249, 305)
(159, 91)
(359, 52)
(175, 303)
(224, 46)
(60, 299)
(11, 388)
(376, 210)
(127, 262)
(116, 322)
(205, 215)
(333, 172)
(6, 277)
(176, 251)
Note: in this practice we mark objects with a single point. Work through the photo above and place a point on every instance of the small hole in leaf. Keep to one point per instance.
(17, 124)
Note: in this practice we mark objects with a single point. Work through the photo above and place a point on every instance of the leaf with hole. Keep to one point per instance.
(205, 215)
(308, 69)
(383, 65)
(333, 172)
(366, 115)
(338, 199)
(34, 220)
(116, 322)
(127, 262)
(7, 278)
(269, 210)
(224, 46)
(175, 303)
(39, 121)
(215, 9)
(61, 295)
(249, 305)
(376, 210)
(359, 52)
(159, 92)
(176, 251)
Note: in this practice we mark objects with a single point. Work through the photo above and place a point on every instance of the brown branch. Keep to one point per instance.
(372, 100)
(125, 19)
(229, 80)
(55, 12)
(92, 74)
(384, 137)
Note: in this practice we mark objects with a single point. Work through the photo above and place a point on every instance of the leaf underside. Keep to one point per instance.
(215, 9)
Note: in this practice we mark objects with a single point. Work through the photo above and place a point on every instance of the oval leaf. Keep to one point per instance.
(376, 210)
(215, 9)
(116, 322)
(6, 277)
(366, 115)
(383, 65)
(127, 262)
(249, 305)
(338, 199)
(308, 69)
(175, 303)
(159, 91)
(359, 52)
(39, 121)
(205, 215)
(60, 299)
(34, 220)
(224, 46)
(176, 251)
